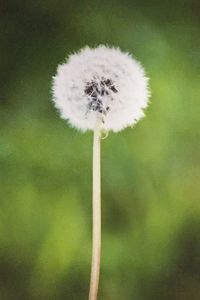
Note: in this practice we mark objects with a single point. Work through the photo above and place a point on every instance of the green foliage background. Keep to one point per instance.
(151, 174)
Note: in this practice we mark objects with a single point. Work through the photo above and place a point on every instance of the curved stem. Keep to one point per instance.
(96, 234)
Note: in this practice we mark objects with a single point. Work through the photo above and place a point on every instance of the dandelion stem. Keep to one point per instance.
(96, 234)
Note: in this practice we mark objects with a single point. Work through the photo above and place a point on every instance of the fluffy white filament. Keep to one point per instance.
(101, 85)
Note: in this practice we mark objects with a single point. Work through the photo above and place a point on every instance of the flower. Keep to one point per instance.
(101, 86)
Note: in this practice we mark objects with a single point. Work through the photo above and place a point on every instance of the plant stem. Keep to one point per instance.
(96, 234)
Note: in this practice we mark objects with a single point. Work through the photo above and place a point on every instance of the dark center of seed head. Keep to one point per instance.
(96, 91)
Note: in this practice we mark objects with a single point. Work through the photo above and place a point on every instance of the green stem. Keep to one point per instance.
(96, 234)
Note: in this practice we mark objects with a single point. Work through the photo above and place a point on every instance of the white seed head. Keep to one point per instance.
(101, 86)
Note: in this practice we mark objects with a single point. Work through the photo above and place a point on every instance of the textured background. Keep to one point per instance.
(151, 174)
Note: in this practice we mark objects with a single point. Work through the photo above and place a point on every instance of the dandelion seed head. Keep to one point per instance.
(101, 86)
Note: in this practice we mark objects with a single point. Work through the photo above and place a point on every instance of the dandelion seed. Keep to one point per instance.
(101, 85)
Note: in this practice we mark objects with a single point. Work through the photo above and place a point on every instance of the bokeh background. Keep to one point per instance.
(151, 174)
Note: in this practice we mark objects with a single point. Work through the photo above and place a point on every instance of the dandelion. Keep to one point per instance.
(100, 89)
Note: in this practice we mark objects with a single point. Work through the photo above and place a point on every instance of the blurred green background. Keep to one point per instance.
(151, 174)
